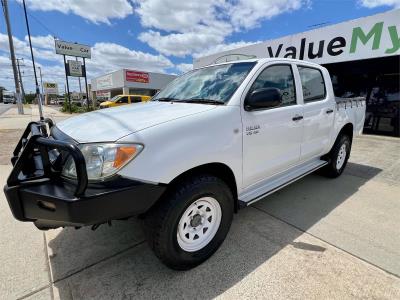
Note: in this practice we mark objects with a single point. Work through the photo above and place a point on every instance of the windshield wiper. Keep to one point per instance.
(202, 100)
(166, 99)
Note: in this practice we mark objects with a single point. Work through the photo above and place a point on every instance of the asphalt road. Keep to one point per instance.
(5, 107)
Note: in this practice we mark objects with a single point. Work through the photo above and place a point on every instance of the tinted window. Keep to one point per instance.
(123, 100)
(313, 84)
(280, 77)
(135, 99)
(212, 83)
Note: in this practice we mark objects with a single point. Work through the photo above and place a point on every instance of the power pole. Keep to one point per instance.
(20, 78)
(12, 54)
(41, 78)
(38, 95)
(80, 87)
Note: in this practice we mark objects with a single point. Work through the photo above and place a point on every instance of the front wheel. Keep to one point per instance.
(190, 222)
(338, 157)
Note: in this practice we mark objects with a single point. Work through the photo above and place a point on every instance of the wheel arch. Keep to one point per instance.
(348, 130)
(219, 170)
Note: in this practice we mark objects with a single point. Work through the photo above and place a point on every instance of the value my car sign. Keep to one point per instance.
(136, 76)
(72, 49)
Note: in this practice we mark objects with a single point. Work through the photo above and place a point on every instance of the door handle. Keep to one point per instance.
(329, 111)
(297, 118)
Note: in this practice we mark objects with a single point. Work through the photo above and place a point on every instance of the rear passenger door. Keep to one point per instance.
(318, 112)
(136, 99)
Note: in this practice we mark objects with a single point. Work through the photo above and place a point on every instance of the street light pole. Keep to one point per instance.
(12, 54)
(39, 97)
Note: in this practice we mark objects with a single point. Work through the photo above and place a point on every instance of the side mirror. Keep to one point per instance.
(263, 98)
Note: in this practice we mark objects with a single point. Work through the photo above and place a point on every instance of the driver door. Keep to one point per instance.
(272, 136)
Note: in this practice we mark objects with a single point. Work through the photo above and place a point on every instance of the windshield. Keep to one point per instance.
(215, 84)
(115, 98)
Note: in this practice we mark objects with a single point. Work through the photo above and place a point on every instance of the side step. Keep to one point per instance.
(279, 181)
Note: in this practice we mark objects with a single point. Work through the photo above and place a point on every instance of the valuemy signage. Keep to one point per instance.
(369, 37)
(72, 49)
(50, 88)
(136, 76)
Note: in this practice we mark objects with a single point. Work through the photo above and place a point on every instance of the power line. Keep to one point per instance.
(39, 22)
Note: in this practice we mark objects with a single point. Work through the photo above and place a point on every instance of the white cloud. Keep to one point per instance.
(106, 57)
(183, 68)
(180, 44)
(375, 3)
(248, 13)
(96, 11)
(181, 28)
(223, 47)
(43, 42)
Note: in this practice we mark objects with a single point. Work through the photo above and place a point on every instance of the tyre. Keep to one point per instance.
(338, 157)
(189, 224)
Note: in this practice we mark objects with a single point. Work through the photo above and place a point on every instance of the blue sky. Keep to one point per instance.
(160, 35)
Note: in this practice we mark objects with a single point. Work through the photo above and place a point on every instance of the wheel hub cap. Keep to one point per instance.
(199, 224)
(196, 220)
(341, 157)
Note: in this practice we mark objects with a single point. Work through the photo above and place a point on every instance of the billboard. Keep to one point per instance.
(50, 88)
(364, 38)
(72, 49)
(75, 68)
(103, 94)
(136, 76)
(104, 82)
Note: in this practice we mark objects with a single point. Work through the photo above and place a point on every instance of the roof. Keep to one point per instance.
(262, 60)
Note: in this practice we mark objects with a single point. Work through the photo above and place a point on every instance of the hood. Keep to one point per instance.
(111, 124)
(105, 103)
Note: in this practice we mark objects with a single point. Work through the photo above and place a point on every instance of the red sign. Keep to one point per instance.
(136, 76)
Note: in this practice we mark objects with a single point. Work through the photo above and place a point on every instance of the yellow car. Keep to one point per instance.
(124, 99)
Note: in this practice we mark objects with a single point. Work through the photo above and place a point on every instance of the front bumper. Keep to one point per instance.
(51, 204)
(37, 193)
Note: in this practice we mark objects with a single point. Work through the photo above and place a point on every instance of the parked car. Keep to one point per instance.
(215, 140)
(124, 99)
(9, 98)
(60, 100)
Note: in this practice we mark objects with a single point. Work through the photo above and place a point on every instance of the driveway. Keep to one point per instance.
(318, 238)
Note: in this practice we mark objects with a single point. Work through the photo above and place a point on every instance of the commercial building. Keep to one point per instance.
(362, 55)
(128, 82)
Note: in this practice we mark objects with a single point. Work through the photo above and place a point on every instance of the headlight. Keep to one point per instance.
(102, 160)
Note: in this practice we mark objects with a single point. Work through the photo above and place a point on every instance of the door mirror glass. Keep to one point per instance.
(263, 98)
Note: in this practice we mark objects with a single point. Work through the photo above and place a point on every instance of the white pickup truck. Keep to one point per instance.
(213, 141)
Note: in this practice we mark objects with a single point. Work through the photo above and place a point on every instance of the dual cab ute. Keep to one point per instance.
(215, 140)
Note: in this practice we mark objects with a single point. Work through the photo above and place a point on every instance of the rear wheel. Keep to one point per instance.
(191, 222)
(338, 157)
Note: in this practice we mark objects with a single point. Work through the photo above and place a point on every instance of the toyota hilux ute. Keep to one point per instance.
(212, 142)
